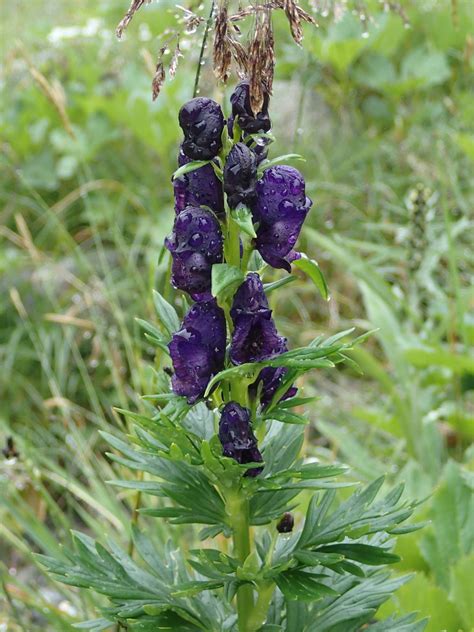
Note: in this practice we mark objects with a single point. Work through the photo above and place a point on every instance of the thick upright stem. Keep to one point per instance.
(239, 514)
(260, 611)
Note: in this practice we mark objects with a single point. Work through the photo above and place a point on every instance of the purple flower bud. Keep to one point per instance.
(200, 187)
(240, 175)
(248, 122)
(195, 245)
(271, 379)
(198, 349)
(202, 122)
(255, 337)
(237, 438)
(286, 524)
(281, 208)
(259, 148)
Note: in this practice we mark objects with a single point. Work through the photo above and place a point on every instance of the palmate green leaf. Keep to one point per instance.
(266, 506)
(134, 591)
(312, 269)
(166, 314)
(303, 586)
(182, 482)
(356, 604)
(356, 516)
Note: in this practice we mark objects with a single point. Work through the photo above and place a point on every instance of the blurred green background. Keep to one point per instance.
(383, 114)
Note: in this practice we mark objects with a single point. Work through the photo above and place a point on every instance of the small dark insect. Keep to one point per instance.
(169, 371)
(10, 451)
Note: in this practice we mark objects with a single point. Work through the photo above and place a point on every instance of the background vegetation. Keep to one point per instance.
(382, 114)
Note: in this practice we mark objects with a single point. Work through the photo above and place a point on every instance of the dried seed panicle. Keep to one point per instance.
(261, 61)
(174, 60)
(128, 17)
(222, 47)
(290, 8)
(158, 80)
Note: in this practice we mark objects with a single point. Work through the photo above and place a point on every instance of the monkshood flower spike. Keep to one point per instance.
(219, 445)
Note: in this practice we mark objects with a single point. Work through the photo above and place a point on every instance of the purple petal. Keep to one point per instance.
(202, 122)
(200, 187)
(240, 101)
(195, 245)
(237, 438)
(240, 175)
(255, 336)
(279, 185)
(198, 349)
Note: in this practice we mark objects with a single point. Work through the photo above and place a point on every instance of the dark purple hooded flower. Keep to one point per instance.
(195, 245)
(198, 349)
(200, 187)
(240, 175)
(255, 337)
(202, 122)
(280, 209)
(237, 438)
(241, 108)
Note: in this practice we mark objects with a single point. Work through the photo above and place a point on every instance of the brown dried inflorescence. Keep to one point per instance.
(291, 11)
(127, 18)
(261, 61)
(222, 45)
(158, 80)
(255, 60)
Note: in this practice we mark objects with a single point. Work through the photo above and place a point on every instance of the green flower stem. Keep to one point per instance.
(233, 242)
(238, 509)
(260, 611)
(248, 249)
